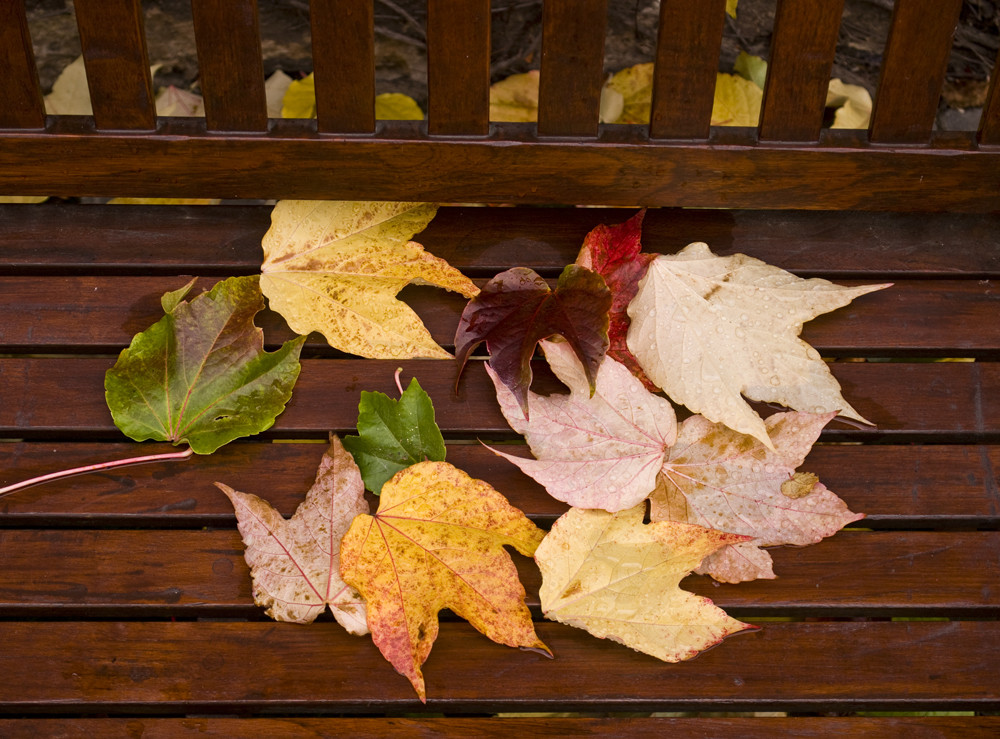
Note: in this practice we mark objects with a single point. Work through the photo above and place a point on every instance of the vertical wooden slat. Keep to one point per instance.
(20, 95)
(227, 35)
(113, 39)
(798, 73)
(989, 123)
(343, 44)
(687, 59)
(458, 67)
(913, 69)
(569, 94)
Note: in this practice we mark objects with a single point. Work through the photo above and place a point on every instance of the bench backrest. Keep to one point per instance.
(458, 155)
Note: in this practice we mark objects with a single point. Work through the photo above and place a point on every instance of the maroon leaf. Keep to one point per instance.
(615, 252)
(516, 310)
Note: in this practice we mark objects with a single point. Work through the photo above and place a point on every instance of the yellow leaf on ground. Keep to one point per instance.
(437, 542)
(173, 101)
(709, 330)
(737, 101)
(515, 99)
(335, 267)
(612, 575)
(853, 104)
(275, 88)
(635, 85)
(4, 199)
(70, 94)
(300, 102)
(163, 201)
(295, 563)
(731, 7)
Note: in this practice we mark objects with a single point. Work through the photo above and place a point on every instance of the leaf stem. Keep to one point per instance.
(399, 385)
(183, 454)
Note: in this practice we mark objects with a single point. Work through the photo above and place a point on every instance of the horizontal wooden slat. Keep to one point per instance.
(235, 667)
(798, 71)
(225, 240)
(112, 34)
(957, 402)
(19, 89)
(67, 314)
(188, 574)
(687, 57)
(920, 486)
(913, 69)
(292, 161)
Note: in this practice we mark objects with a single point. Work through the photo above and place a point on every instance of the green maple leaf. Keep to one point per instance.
(394, 434)
(200, 374)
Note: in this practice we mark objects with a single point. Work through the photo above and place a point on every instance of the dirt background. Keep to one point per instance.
(401, 47)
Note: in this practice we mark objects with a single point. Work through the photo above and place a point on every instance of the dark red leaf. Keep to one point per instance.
(615, 252)
(516, 310)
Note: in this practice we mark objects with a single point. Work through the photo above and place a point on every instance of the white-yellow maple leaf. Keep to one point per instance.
(709, 330)
(335, 267)
(619, 579)
(295, 563)
(716, 477)
(853, 104)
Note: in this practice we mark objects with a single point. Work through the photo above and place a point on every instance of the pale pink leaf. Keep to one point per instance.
(600, 451)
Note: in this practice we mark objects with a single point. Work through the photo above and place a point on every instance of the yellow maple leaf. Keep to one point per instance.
(437, 542)
(300, 102)
(611, 575)
(737, 100)
(335, 267)
(731, 7)
(853, 104)
(515, 99)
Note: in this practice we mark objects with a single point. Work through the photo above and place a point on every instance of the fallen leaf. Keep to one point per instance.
(437, 542)
(300, 102)
(70, 93)
(853, 104)
(275, 88)
(163, 201)
(615, 253)
(752, 68)
(707, 328)
(173, 101)
(28, 199)
(295, 563)
(516, 310)
(515, 99)
(619, 579)
(737, 100)
(392, 435)
(601, 451)
(200, 374)
(335, 267)
(718, 478)
(731, 7)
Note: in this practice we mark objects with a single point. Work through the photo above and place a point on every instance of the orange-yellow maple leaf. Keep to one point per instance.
(437, 542)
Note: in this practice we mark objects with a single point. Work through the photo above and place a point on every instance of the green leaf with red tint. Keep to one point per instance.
(516, 310)
(615, 252)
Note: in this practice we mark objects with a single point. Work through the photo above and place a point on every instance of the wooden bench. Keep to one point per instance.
(125, 603)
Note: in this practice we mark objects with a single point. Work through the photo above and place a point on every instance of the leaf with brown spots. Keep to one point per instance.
(709, 330)
(295, 563)
(336, 267)
(437, 542)
(724, 480)
(619, 579)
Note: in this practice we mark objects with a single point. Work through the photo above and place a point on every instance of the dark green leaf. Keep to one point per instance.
(394, 435)
(200, 374)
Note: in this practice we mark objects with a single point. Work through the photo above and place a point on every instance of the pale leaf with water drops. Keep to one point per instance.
(728, 481)
(711, 330)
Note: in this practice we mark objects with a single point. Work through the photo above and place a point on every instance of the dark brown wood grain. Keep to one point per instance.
(112, 34)
(201, 667)
(941, 318)
(22, 107)
(294, 162)
(989, 123)
(343, 45)
(798, 69)
(458, 67)
(231, 69)
(928, 486)
(913, 68)
(189, 574)
(225, 240)
(953, 402)
(687, 57)
(569, 92)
